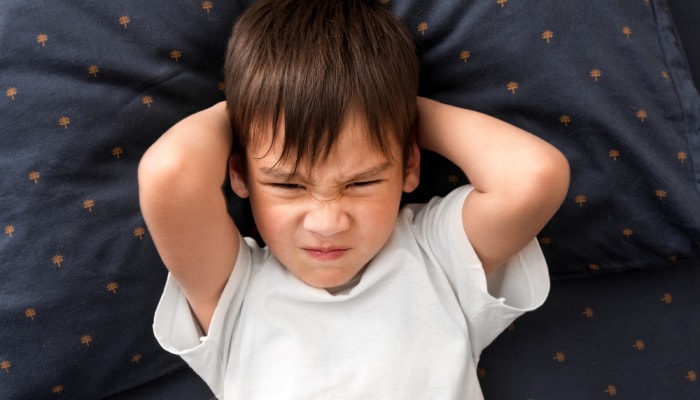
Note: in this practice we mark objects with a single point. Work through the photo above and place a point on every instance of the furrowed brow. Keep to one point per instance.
(370, 173)
(277, 173)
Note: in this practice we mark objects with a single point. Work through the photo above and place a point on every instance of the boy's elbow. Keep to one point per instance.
(152, 166)
(561, 178)
(551, 177)
(159, 173)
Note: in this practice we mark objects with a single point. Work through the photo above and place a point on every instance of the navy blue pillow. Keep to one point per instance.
(87, 87)
(605, 82)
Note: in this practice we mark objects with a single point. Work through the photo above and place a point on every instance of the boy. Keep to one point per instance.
(351, 298)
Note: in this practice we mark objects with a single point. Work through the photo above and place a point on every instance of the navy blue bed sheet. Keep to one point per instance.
(632, 335)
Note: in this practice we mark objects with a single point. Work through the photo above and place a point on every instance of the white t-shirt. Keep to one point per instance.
(412, 328)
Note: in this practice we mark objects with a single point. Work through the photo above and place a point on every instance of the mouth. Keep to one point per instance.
(325, 254)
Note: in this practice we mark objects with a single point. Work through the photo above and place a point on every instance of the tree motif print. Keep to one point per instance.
(42, 38)
(9, 230)
(594, 267)
(547, 35)
(559, 357)
(667, 298)
(682, 156)
(627, 31)
(595, 74)
(124, 21)
(112, 287)
(665, 75)
(502, 3)
(512, 86)
(627, 233)
(34, 176)
(641, 114)
(93, 70)
(176, 55)
(691, 376)
(58, 260)
(588, 312)
(639, 344)
(89, 204)
(139, 232)
(614, 153)
(11, 93)
(86, 340)
(147, 100)
(545, 241)
(611, 390)
(117, 152)
(30, 313)
(207, 5)
(661, 194)
(58, 389)
(64, 121)
(453, 179)
(565, 120)
(5, 365)
(136, 358)
(464, 55)
(580, 200)
(422, 27)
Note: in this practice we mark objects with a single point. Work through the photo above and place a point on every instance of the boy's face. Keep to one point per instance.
(326, 222)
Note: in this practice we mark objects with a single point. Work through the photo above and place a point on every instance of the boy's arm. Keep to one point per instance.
(180, 192)
(519, 179)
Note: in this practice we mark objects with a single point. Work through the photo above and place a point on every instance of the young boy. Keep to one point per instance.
(351, 298)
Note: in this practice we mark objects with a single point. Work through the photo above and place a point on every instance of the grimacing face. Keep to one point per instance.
(327, 221)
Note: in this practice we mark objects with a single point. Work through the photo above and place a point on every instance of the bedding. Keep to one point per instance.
(87, 86)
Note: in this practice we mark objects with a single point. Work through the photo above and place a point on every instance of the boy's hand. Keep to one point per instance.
(180, 181)
(519, 179)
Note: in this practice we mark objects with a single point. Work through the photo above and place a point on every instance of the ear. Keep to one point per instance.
(237, 177)
(412, 173)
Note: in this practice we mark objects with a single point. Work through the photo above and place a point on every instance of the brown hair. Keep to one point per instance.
(309, 61)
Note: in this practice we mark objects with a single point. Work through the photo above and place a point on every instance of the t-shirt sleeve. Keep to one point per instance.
(489, 304)
(177, 330)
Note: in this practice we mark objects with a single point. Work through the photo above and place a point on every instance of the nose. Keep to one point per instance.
(326, 218)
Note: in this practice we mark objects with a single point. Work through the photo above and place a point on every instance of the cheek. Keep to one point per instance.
(377, 219)
(275, 223)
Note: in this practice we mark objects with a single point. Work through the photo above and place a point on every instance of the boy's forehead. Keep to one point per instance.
(344, 158)
(354, 134)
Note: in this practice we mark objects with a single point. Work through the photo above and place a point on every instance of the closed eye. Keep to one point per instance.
(287, 186)
(364, 183)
